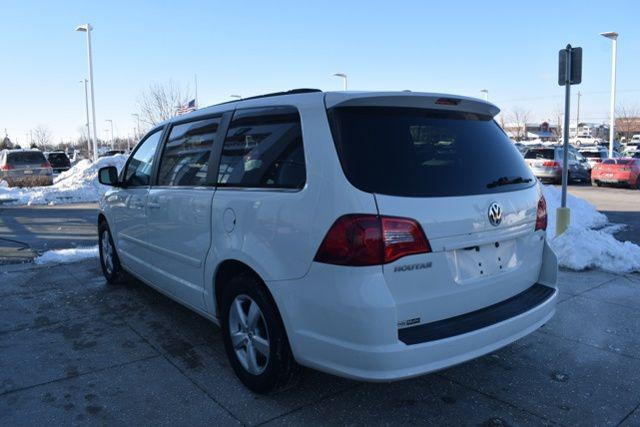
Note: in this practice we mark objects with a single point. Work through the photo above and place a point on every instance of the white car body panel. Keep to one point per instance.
(342, 320)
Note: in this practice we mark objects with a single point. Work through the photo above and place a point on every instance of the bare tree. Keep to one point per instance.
(558, 114)
(628, 119)
(161, 101)
(519, 118)
(41, 137)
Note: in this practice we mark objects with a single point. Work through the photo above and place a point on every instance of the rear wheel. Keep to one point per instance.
(254, 337)
(109, 261)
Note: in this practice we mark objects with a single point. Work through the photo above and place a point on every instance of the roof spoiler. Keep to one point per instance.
(410, 100)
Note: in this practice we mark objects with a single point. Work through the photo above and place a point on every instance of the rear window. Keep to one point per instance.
(593, 154)
(425, 153)
(58, 158)
(26, 157)
(540, 154)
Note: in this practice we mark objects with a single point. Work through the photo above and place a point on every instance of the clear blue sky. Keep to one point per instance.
(248, 48)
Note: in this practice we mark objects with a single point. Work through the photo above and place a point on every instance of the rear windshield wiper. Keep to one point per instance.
(508, 181)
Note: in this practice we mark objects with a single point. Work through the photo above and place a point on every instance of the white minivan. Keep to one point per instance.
(371, 235)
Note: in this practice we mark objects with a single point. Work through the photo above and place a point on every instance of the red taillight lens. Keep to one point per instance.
(45, 165)
(402, 237)
(359, 240)
(6, 167)
(551, 164)
(541, 214)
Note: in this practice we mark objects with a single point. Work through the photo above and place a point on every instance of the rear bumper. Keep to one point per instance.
(399, 361)
(345, 323)
(16, 180)
(547, 174)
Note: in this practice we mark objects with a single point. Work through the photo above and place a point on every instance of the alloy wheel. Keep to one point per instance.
(249, 335)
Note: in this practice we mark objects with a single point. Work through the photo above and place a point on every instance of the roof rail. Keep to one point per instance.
(268, 95)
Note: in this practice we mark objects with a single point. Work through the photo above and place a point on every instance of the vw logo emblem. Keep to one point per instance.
(495, 214)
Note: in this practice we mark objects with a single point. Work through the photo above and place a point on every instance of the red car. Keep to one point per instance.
(617, 171)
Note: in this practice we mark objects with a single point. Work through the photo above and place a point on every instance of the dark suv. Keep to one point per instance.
(59, 161)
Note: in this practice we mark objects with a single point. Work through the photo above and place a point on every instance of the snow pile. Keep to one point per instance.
(583, 214)
(67, 255)
(579, 248)
(78, 184)
(589, 241)
(3, 184)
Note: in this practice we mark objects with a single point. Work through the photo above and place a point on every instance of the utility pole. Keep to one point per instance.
(578, 114)
(87, 28)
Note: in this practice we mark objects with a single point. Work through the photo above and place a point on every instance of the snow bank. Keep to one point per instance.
(583, 214)
(589, 241)
(58, 256)
(78, 184)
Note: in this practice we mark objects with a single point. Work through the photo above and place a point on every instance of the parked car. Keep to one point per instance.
(25, 168)
(353, 233)
(625, 171)
(596, 155)
(546, 164)
(59, 161)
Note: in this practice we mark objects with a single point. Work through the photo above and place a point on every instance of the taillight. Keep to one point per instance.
(359, 240)
(541, 215)
(46, 165)
(551, 164)
(6, 167)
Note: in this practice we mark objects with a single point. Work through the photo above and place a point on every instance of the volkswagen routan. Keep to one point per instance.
(372, 235)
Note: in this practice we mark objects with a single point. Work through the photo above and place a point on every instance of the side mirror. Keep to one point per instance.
(108, 176)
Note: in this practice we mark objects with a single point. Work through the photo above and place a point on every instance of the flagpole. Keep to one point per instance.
(195, 78)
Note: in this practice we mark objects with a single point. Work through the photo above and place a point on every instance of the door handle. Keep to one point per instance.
(153, 205)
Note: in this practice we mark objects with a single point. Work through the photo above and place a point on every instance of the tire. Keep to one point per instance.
(272, 369)
(112, 270)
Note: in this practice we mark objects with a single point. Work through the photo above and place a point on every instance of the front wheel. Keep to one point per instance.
(254, 337)
(109, 261)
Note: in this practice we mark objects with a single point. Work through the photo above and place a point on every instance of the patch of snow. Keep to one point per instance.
(4, 184)
(78, 184)
(589, 241)
(580, 248)
(58, 256)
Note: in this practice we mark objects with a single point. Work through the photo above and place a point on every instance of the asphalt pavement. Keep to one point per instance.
(75, 350)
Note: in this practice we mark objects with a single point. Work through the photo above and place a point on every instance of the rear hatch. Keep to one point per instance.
(449, 169)
(542, 161)
(613, 170)
(23, 163)
(59, 161)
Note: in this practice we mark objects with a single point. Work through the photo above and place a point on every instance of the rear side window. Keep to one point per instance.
(185, 159)
(263, 148)
(140, 164)
(416, 152)
(593, 154)
(25, 157)
(539, 154)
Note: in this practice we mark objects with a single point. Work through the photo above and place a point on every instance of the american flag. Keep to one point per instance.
(187, 108)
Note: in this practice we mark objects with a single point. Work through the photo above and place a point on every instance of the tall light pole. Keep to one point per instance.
(613, 36)
(87, 29)
(112, 138)
(344, 78)
(486, 94)
(86, 106)
(578, 114)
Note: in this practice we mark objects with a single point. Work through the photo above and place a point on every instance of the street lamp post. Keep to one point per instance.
(86, 106)
(344, 79)
(486, 94)
(87, 29)
(112, 138)
(613, 36)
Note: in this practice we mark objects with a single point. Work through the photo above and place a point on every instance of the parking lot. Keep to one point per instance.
(74, 349)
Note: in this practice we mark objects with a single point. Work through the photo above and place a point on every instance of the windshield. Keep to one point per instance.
(416, 152)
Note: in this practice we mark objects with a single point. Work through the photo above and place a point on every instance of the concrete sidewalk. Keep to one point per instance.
(75, 350)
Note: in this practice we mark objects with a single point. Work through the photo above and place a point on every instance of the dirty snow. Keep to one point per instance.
(78, 184)
(589, 241)
(58, 256)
